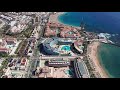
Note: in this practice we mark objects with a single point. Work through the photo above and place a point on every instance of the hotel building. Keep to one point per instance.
(81, 70)
(51, 45)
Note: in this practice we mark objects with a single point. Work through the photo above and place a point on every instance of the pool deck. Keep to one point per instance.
(60, 72)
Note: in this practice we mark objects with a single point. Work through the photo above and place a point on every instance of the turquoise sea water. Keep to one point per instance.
(109, 57)
(108, 22)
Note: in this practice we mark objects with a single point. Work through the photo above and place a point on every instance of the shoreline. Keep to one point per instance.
(55, 18)
(93, 47)
(99, 59)
(93, 55)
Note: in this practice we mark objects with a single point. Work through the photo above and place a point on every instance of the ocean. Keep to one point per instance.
(100, 22)
(110, 59)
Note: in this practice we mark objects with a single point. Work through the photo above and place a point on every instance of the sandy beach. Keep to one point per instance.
(54, 18)
(92, 52)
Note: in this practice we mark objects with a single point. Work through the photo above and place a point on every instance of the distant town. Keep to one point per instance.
(37, 45)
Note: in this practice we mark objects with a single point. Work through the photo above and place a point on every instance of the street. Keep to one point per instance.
(35, 59)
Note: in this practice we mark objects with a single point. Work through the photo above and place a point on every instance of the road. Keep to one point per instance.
(14, 49)
(56, 57)
(2, 24)
(33, 61)
(36, 54)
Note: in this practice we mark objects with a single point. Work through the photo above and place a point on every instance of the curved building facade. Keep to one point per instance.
(51, 45)
(81, 70)
(78, 46)
(48, 46)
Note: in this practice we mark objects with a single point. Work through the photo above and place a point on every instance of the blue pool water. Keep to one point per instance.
(68, 72)
(66, 48)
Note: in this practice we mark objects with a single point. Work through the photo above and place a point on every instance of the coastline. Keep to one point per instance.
(93, 55)
(55, 18)
(99, 58)
(93, 48)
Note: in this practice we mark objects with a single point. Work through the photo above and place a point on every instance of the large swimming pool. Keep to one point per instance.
(66, 48)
